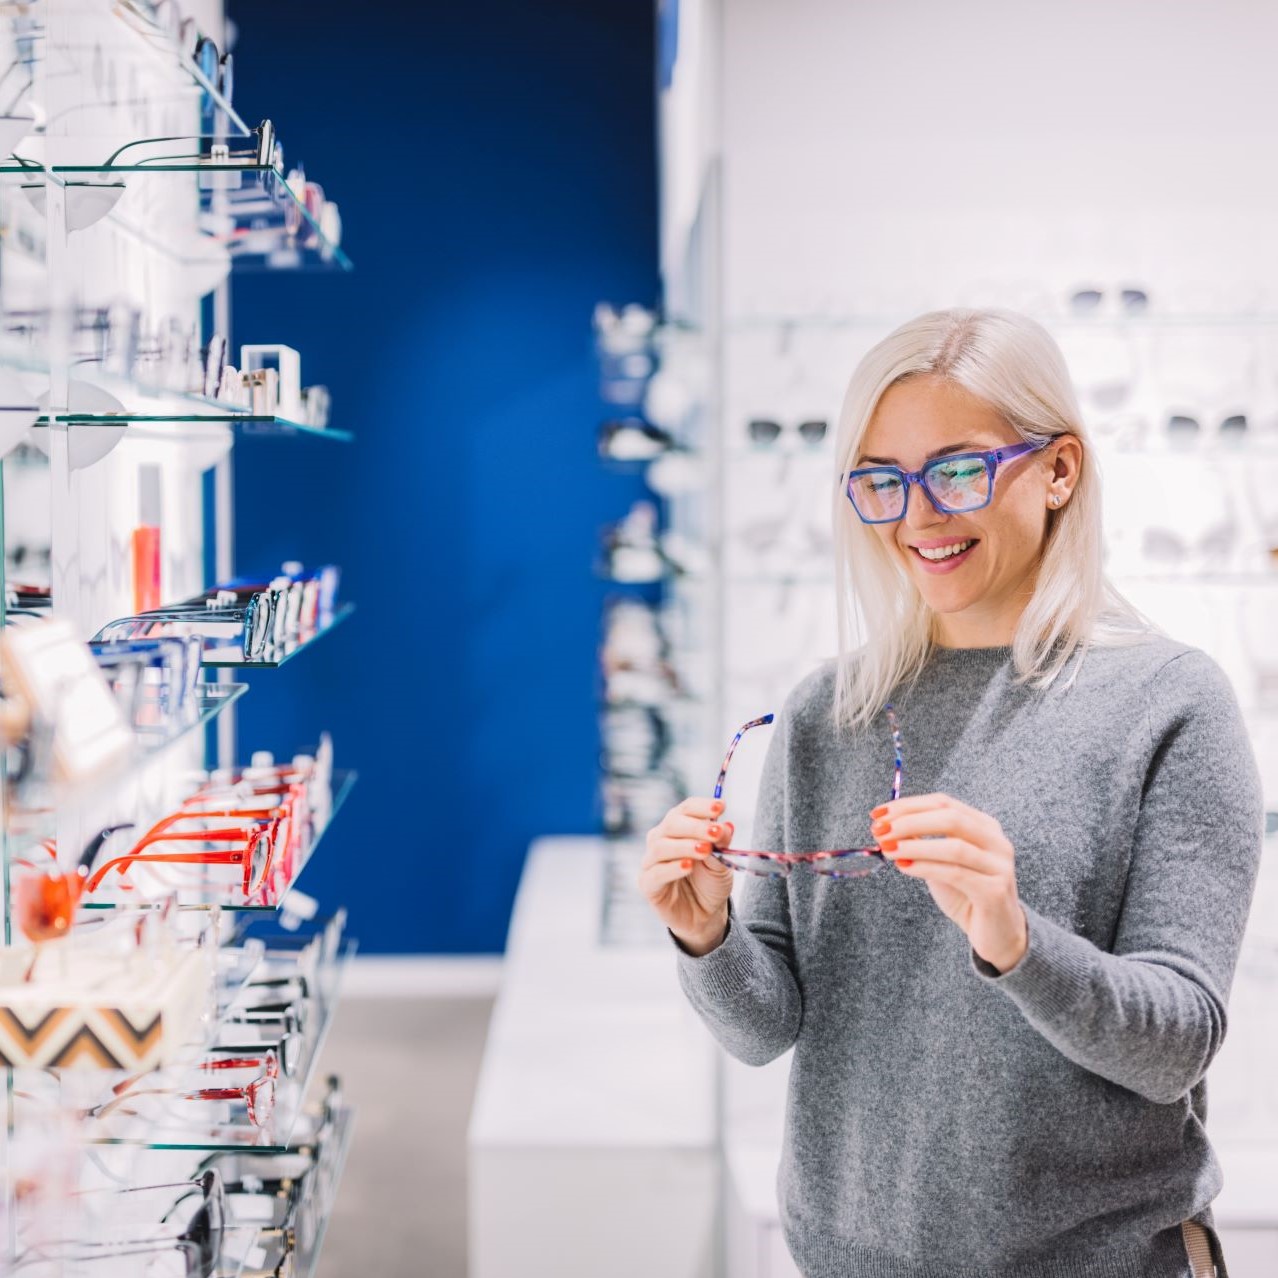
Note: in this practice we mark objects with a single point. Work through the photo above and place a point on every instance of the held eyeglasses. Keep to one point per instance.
(845, 863)
(954, 484)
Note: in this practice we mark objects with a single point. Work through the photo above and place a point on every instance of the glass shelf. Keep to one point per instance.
(226, 892)
(247, 208)
(247, 423)
(286, 652)
(275, 1136)
(210, 700)
(30, 805)
(1152, 321)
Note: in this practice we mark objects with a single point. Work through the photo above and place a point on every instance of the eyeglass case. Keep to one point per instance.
(90, 1009)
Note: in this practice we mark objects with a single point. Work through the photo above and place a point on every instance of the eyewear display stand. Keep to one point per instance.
(233, 990)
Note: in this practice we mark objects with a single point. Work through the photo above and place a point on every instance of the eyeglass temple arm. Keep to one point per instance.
(727, 758)
(122, 863)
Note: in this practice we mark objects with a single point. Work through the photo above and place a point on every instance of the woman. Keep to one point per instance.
(1001, 1035)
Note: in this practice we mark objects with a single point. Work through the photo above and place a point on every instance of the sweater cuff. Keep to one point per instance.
(1053, 975)
(727, 969)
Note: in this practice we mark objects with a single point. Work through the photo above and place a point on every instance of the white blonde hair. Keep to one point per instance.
(1012, 363)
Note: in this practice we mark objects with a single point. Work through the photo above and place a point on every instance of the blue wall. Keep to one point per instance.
(494, 165)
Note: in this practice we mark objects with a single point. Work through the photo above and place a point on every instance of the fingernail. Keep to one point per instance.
(714, 831)
(703, 847)
(686, 863)
(716, 807)
(879, 811)
(904, 861)
(880, 827)
(888, 845)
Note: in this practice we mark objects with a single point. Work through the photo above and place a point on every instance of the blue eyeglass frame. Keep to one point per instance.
(993, 459)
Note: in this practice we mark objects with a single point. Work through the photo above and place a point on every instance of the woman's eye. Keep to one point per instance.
(887, 484)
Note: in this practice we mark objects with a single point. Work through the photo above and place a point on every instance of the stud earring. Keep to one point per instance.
(1055, 499)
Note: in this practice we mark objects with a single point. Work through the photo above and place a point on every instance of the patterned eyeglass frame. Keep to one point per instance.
(872, 857)
(993, 459)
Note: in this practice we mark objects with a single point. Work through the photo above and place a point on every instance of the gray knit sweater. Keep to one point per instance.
(944, 1121)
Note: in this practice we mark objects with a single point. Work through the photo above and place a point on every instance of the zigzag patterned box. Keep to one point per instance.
(96, 1010)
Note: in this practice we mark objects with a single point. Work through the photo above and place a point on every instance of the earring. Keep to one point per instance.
(1055, 499)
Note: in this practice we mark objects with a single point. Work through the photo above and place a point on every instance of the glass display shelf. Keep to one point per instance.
(32, 800)
(227, 893)
(221, 659)
(1151, 321)
(274, 1136)
(209, 700)
(250, 209)
(246, 422)
(152, 404)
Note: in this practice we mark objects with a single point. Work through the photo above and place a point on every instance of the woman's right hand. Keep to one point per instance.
(689, 888)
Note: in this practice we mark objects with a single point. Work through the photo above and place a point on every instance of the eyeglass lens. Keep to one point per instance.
(956, 483)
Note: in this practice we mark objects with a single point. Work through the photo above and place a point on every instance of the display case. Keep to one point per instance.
(166, 988)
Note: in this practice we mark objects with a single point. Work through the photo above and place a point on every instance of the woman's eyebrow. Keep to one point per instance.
(949, 448)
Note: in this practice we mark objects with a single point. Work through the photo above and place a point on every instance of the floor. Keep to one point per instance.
(409, 1067)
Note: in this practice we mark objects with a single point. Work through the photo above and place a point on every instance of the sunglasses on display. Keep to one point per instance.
(846, 863)
(1089, 301)
(954, 484)
(765, 430)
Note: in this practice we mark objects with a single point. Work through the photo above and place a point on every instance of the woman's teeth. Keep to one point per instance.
(944, 552)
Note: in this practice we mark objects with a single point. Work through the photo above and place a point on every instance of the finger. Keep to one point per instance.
(703, 807)
(958, 822)
(974, 878)
(949, 852)
(655, 877)
(911, 803)
(663, 850)
(974, 886)
(678, 826)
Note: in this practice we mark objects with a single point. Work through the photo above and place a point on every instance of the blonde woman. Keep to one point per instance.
(1003, 988)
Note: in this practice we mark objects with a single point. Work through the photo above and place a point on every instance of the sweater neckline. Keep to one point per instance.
(974, 658)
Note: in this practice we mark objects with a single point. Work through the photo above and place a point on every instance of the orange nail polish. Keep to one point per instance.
(879, 811)
(713, 831)
(889, 845)
(905, 861)
(685, 864)
(881, 827)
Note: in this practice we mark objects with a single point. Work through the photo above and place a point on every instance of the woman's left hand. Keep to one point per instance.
(968, 865)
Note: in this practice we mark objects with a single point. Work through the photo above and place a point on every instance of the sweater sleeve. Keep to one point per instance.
(746, 989)
(1150, 1016)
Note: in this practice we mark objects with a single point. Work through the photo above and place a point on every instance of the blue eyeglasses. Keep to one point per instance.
(954, 484)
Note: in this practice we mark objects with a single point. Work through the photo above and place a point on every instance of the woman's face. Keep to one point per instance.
(978, 596)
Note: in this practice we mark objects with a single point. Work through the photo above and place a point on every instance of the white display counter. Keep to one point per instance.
(592, 1139)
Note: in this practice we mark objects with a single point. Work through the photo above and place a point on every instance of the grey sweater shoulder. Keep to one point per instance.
(946, 1121)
